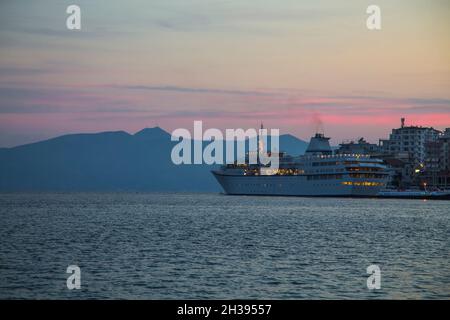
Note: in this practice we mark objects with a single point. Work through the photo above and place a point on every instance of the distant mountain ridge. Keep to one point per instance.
(109, 161)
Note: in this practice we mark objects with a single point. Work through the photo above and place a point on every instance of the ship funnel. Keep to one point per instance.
(319, 145)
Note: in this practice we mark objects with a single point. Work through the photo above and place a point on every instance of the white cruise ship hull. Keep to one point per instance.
(297, 185)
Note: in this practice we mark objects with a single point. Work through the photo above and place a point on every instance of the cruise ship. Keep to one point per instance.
(319, 172)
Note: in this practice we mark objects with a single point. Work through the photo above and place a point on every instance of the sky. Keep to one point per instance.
(299, 66)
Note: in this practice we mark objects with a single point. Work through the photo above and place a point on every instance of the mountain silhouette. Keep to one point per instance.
(109, 161)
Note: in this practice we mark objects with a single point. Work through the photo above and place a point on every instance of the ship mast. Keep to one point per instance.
(260, 141)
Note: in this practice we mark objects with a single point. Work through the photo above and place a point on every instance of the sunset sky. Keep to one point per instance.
(296, 65)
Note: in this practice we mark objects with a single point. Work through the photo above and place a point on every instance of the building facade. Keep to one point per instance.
(359, 147)
(410, 144)
(411, 140)
(436, 171)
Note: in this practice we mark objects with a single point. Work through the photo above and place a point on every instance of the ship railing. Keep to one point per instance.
(338, 155)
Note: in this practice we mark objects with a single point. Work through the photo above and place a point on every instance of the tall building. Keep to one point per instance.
(445, 151)
(436, 171)
(406, 148)
(410, 140)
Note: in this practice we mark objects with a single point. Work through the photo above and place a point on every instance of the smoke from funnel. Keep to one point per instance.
(317, 122)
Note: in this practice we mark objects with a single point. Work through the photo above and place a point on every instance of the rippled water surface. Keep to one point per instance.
(182, 246)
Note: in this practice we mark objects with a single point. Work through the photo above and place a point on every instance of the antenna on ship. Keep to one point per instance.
(260, 141)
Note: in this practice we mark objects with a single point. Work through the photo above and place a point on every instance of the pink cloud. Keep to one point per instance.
(102, 108)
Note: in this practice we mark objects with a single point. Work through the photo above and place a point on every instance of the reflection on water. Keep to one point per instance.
(181, 246)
